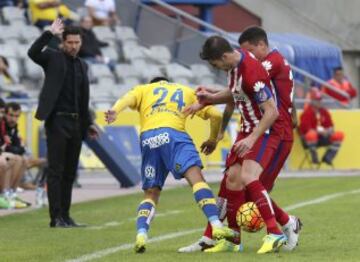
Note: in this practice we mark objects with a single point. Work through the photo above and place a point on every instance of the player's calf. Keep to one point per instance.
(146, 212)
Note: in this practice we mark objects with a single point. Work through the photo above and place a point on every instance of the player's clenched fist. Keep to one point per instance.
(110, 116)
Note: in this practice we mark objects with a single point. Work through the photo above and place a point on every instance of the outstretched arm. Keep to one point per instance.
(36, 52)
(129, 100)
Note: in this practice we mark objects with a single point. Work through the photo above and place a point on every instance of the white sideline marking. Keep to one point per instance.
(108, 251)
(321, 199)
(118, 223)
(111, 250)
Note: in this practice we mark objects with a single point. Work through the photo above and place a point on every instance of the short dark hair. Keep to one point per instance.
(71, 30)
(13, 105)
(158, 79)
(2, 103)
(253, 35)
(214, 47)
(338, 68)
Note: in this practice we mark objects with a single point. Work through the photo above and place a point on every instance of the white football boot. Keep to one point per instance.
(200, 245)
(292, 231)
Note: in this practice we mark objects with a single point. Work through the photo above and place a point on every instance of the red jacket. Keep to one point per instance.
(344, 86)
(309, 119)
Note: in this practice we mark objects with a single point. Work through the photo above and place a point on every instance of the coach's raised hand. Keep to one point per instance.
(57, 27)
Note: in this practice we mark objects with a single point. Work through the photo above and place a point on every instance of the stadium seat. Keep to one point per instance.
(148, 71)
(32, 70)
(178, 72)
(104, 33)
(21, 51)
(110, 52)
(100, 71)
(126, 35)
(106, 82)
(127, 73)
(29, 33)
(10, 34)
(13, 15)
(133, 52)
(160, 54)
(203, 74)
(8, 51)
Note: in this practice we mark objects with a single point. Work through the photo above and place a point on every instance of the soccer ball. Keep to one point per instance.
(248, 217)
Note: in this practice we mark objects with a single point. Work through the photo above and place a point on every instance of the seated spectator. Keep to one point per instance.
(13, 141)
(90, 48)
(317, 129)
(103, 12)
(44, 12)
(5, 75)
(11, 171)
(341, 83)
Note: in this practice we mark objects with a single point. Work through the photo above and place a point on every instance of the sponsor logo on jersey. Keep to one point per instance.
(156, 141)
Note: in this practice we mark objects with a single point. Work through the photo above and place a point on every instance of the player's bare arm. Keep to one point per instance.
(227, 114)
(215, 117)
(222, 97)
(270, 114)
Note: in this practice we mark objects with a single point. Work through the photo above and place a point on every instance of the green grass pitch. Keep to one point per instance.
(331, 227)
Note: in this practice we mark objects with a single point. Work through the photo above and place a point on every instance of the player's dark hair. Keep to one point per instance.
(13, 105)
(158, 79)
(338, 68)
(2, 103)
(214, 48)
(71, 30)
(253, 35)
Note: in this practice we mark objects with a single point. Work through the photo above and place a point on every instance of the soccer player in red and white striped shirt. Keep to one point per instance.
(259, 136)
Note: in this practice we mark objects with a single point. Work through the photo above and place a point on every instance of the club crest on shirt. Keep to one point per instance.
(267, 65)
(258, 86)
(149, 172)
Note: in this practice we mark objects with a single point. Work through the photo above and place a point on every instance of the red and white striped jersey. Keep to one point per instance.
(249, 83)
(281, 78)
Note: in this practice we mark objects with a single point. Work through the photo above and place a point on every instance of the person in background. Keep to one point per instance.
(12, 168)
(317, 129)
(5, 75)
(340, 82)
(103, 12)
(90, 49)
(44, 12)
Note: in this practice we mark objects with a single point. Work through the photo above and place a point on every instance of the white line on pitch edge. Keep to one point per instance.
(118, 223)
(111, 250)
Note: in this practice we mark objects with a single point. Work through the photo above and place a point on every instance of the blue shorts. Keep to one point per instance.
(166, 150)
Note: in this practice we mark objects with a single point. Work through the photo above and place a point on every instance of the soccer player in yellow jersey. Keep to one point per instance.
(166, 147)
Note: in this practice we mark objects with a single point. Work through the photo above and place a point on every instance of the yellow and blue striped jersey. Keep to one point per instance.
(161, 104)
